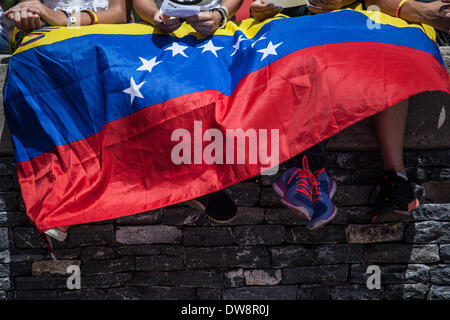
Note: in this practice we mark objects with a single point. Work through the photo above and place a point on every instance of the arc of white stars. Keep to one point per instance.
(134, 90)
(148, 65)
(263, 37)
(238, 44)
(269, 50)
(209, 46)
(177, 49)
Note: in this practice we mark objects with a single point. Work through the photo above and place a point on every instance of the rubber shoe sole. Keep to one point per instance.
(383, 213)
(222, 221)
(194, 204)
(333, 190)
(321, 223)
(56, 234)
(301, 211)
(413, 205)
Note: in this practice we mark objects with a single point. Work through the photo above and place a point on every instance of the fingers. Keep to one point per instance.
(204, 29)
(267, 7)
(447, 19)
(258, 5)
(25, 18)
(263, 9)
(201, 17)
(320, 3)
(35, 21)
(324, 5)
(166, 24)
(17, 19)
(317, 10)
(29, 20)
(192, 19)
(163, 19)
(24, 5)
(170, 28)
(441, 20)
(261, 15)
(205, 22)
(158, 18)
(172, 22)
(316, 3)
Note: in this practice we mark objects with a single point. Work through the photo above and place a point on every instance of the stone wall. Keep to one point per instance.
(267, 252)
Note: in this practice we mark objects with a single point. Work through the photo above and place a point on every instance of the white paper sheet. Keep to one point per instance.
(173, 9)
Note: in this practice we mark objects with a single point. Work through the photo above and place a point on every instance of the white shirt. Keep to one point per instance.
(71, 5)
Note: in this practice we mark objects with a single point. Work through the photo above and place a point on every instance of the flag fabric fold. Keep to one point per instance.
(94, 111)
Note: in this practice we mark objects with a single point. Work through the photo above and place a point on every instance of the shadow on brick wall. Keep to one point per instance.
(266, 253)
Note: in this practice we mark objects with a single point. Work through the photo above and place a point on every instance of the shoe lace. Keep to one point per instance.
(306, 181)
(317, 175)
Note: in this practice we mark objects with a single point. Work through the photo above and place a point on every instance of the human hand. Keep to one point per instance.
(322, 6)
(262, 9)
(205, 22)
(437, 14)
(26, 15)
(25, 21)
(165, 23)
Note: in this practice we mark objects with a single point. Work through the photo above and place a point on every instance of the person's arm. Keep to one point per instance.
(30, 14)
(208, 22)
(232, 6)
(436, 14)
(116, 13)
(149, 12)
(261, 9)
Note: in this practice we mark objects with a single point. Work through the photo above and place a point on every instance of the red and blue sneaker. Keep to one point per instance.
(324, 209)
(297, 188)
(285, 182)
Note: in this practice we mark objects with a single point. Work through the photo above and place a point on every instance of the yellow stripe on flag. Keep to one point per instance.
(249, 27)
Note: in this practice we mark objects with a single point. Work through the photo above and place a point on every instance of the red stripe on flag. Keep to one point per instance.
(309, 96)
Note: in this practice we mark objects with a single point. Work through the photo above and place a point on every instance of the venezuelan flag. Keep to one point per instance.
(92, 110)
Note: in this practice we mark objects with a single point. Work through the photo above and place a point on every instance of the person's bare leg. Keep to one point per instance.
(390, 131)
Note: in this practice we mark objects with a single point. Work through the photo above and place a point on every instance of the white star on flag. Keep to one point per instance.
(260, 38)
(210, 47)
(238, 44)
(148, 65)
(133, 90)
(270, 49)
(177, 49)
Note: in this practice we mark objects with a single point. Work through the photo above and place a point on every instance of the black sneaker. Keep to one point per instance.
(396, 195)
(218, 206)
